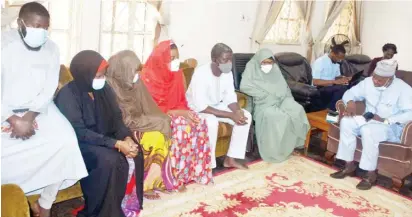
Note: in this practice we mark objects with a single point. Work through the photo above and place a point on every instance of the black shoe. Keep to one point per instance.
(368, 182)
(342, 174)
(349, 170)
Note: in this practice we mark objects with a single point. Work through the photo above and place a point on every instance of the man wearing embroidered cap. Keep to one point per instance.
(388, 108)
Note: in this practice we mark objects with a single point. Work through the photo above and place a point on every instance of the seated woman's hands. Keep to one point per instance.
(128, 147)
(191, 116)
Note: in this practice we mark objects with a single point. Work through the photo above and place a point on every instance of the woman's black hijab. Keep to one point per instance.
(84, 67)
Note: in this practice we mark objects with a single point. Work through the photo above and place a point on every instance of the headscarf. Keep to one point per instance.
(386, 68)
(139, 111)
(166, 87)
(272, 83)
(84, 67)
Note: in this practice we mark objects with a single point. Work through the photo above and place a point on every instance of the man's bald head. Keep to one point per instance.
(33, 8)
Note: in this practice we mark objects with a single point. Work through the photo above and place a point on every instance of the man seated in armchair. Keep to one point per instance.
(388, 109)
(211, 93)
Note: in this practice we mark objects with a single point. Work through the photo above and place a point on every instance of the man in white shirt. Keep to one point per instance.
(211, 92)
(39, 150)
(388, 108)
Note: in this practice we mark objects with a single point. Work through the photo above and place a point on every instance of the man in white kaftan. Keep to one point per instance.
(211, 92)
(39, 150)
(388, 108)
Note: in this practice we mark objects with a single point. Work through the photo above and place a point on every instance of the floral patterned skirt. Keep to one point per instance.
(190, 152)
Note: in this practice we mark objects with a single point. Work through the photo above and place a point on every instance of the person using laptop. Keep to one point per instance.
(327, 77)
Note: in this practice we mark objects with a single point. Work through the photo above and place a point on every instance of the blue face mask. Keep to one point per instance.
(35, 37)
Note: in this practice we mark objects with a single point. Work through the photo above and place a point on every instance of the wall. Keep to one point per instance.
(388, 22)
(197, 25)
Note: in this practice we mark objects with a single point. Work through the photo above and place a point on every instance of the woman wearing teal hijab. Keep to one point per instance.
(281, 123)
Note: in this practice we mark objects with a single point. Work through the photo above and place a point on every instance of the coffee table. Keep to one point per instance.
(317, 121)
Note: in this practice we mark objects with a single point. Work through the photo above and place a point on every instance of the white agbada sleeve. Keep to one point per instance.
(198, 91)
(356, 93)
(405, 106)
(45, 97)
(6, 111)
(229, 96)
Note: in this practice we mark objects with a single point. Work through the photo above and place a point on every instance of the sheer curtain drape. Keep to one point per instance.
(334, 10)
(266, 16)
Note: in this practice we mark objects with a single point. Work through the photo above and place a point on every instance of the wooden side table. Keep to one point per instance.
(317, 121)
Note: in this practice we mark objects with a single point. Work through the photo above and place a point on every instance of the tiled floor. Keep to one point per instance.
(316, 152)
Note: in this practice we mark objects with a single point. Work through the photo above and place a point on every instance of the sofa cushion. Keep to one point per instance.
(294, 67)
(64, 77)
(406, 76)
(224, 130)
(358, 59)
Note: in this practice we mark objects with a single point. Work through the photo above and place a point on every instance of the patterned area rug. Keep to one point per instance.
(298, 187)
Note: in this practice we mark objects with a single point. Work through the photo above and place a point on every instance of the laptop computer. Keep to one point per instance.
(356, 78)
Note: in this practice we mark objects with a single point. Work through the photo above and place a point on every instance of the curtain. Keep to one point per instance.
(357, 22)
(10, 12)
(266, 16)
(161, 31)
(305, 8)
(334, 10)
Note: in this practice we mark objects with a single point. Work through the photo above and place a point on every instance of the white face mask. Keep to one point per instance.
(225, 67)
(98, 83)
(136, 78)
(174, 65)
(381, 88)
(384, 87)
(35, 37)
(266, 68)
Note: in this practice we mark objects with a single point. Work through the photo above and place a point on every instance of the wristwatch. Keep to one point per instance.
(386, 121)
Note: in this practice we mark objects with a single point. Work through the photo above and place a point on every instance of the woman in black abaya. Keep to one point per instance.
(108, 149)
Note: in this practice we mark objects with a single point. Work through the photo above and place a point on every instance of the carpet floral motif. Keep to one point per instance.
(296, 188)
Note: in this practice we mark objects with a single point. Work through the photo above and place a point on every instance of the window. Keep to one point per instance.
(343, 23)
(127, 24)
(60, 26)
(288, 26)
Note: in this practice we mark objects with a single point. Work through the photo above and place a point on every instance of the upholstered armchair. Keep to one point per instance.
(355, 63)
(395, 159)
(298, 74)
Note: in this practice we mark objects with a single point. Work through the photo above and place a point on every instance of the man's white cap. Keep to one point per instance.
(386, 68)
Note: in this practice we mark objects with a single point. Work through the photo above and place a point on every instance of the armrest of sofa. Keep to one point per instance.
(302, 89)
(406, 137)
(242, 98)
(13, 201)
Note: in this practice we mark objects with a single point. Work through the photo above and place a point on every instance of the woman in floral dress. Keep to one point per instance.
(190, 149)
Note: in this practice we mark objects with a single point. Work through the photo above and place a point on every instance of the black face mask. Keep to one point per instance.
(336, 62)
